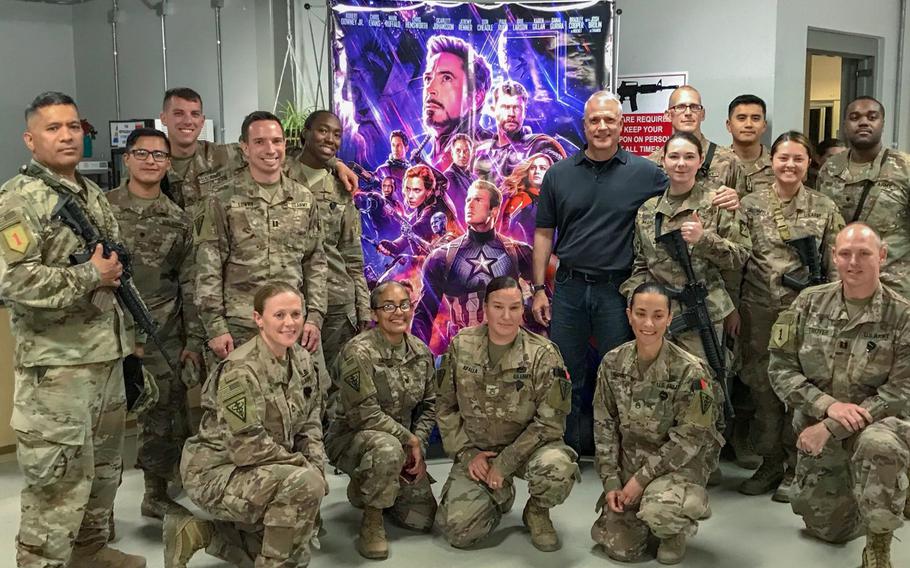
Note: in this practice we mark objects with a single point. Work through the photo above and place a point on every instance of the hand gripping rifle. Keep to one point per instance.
(807, 249)
(695, 314)
(68, 211)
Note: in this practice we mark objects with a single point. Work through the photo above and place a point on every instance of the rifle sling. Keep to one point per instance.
(709, 157)
(867, 187)
(62, 191)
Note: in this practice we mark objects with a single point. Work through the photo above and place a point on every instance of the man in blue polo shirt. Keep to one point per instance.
(590, 199)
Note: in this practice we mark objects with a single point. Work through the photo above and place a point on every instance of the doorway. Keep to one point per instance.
(839, 68)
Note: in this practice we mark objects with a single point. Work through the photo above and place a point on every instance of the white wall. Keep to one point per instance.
(36, 54)
(191, 58)
(727, 49)
(878, 18)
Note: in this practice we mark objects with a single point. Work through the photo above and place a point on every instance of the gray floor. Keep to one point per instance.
(745, 532)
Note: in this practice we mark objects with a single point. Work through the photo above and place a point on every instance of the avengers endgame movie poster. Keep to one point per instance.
(453, 113)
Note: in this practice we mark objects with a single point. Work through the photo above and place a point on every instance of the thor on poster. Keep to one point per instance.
(453, 113)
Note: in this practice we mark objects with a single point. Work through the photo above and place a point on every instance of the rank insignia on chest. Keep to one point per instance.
(237, 407)
(333, 205)
(492, 390)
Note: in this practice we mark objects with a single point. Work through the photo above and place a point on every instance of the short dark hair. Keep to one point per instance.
(256, 116)
(469, 58)
(500, 283)
(881, 107)
(798, 138)
(401, 136)
(311, 118)
(460, 136)
(747, 100)
(184, 93)
(649, 288)
(46, 99)
(382, 287)
(688, 137)
(829, 143)
(135, 135)
(271, 290)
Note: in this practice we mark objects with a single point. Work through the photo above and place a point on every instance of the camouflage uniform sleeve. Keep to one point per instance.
(832, 228)
(606, 431)
(893, 396)
(352, 253)
(24, 278)
(455, 440)
(240, 405)
(358, 395)
(784, 369)
(696, 411)
(730, 246)
(425, 413)
(737, 178)
(212, 246)
(553, 396)
(309, 437)
(315, 273)
(192, 325)
(639, 265)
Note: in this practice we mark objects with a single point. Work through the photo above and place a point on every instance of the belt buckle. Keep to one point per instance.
(588, 278)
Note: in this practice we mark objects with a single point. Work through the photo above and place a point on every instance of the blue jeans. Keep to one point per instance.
(582, 311)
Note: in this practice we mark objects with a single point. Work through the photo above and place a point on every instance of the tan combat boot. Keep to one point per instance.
(372, 542)
(543, 535)
(672, 550)
(183, 535)
(156, 502)
(104, 557)
(782, 493)
(877, 553)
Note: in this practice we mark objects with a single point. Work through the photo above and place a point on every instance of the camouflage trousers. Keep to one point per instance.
(338, 327)
(374, 460)
(165, 427)
(469, 510)
(265, 514)
(772, 428)
(670, 505)
(69, 424)
(855, 485)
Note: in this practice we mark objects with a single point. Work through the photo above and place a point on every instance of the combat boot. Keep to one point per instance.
(372, 542)
(743, 452)
(156, 502)
(765, 479)
(671, 550)
(543, 535)
(104, 557)
(782, 494)
(877, 553)
(183, 535)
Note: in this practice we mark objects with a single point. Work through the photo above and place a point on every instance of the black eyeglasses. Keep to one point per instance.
(390, 308)
(682, 107)
(143, 155)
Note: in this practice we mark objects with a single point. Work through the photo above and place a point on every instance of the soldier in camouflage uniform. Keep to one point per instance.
(686, 113)
(197, 165)
(782, 212)
(159, 236)
(880, 174)
(840, 358)
(654, 428)
(746, 124)
(348, 309)
(718, 238)
(503, 397)
(257, 465)
(69, 407)
(257, 226)
(386, 413)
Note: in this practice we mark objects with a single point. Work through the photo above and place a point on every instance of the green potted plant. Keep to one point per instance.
(292, 121)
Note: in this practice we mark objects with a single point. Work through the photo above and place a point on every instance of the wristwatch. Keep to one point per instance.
(535, 288)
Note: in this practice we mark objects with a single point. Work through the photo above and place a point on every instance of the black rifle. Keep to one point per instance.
(807, 249)
(629, 91)
(367, 180)
(68, 211)
(695, 315)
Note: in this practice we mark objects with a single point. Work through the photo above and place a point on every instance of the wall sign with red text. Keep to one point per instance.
(644, 103)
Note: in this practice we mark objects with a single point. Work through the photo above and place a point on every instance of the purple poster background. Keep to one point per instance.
(436, 96)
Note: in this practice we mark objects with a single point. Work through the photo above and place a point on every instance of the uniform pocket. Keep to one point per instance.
(43, 462)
